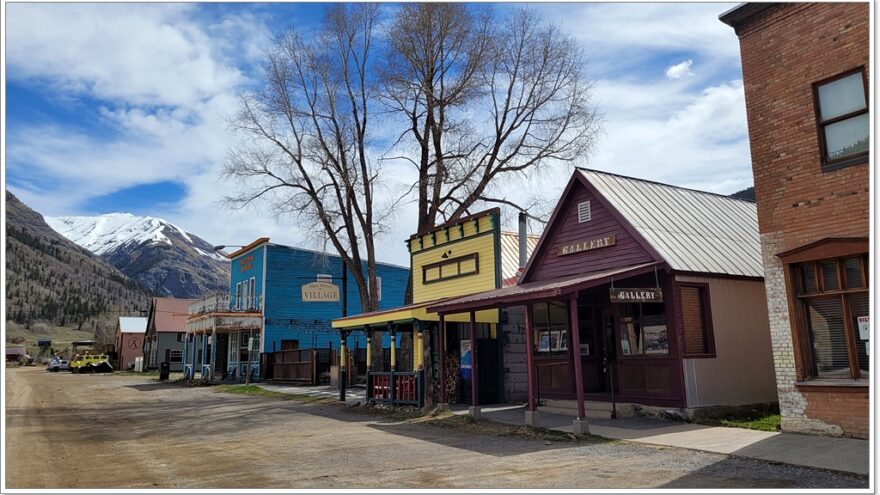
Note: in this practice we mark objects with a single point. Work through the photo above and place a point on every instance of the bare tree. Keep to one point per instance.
(308, 131)
(482, 103)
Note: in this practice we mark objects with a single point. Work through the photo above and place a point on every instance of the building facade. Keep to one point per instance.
(129, 341)
(280, 298)
(805, 74)
(641, 293)
(166, 329)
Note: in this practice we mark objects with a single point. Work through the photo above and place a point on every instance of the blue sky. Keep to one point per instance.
(122, 107)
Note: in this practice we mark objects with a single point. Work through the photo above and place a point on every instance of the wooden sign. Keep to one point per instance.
(653, 295)
(579, 247)
(320, 292)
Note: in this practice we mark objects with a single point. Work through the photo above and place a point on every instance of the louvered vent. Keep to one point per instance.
(584, 213)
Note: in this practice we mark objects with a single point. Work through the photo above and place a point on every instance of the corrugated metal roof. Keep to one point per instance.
(129, 324)
(510, 255)
(693, 231)
(169, 314)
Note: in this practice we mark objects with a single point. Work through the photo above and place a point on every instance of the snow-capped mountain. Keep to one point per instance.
(160, 255)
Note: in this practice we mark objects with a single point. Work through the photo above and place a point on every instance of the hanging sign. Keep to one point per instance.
(652, 295)
(320, 292)
(864, 328)
(588, 245)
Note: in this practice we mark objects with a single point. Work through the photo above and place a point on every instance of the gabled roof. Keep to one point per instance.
(510, 255)
(693, 231)
(129, 324)
(168, 314)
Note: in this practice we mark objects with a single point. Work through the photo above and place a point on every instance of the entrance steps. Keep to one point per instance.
(592, 409)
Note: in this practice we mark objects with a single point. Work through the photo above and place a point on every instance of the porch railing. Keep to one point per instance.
(221, 302)
(396, 387)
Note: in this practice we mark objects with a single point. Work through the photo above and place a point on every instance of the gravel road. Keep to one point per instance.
(104, 431)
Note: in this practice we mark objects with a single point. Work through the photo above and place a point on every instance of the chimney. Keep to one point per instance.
(523, 238)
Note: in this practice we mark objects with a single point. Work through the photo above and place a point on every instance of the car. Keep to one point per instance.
(58, 365)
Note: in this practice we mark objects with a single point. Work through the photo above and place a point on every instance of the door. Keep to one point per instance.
(592, 345)
(609, 349)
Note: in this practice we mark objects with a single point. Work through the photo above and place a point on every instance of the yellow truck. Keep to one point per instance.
(85, 360)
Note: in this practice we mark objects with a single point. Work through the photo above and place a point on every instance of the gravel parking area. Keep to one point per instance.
(103, 431)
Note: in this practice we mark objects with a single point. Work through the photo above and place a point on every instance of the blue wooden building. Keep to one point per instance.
(282, 300)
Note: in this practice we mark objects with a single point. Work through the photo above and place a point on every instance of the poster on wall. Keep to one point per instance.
(655, 339)
(561, 341)
(544, 342)
(864, 328)
(465, 360)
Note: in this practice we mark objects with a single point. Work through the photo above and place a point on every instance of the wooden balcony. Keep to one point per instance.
(217, 312)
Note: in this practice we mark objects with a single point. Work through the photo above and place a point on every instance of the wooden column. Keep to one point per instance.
(369, 348)
(475, 382)
(393, 332)
(442, 364)
(342, 364)
(575, 339)
(417, 346)
(185, 350)
(530, 358)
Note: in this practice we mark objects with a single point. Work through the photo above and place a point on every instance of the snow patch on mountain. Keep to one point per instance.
(106, 233)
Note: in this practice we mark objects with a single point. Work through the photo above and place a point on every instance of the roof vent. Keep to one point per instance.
(584, 213)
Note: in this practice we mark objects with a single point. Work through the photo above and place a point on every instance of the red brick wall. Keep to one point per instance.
(849, 410)
(784, 51)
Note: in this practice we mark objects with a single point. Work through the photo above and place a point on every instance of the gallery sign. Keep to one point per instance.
(320, 292)
(653, 295)
(589, 245)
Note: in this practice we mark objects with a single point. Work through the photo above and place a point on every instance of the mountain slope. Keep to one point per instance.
(158, 254)
(49, 278)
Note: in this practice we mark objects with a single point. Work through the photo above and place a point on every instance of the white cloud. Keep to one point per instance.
(166, 79)
(679, 70)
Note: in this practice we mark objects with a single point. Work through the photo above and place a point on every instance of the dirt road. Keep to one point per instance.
(101, 431)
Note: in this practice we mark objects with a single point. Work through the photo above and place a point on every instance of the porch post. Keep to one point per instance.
(531, 411)
(442, 364)
(342, 358)
(213, 352)
(580, 425)
(393, 332)
(185, 357)
(369, 334)
(194, 348)
(475, 384)
(204, 353)
(417, 345)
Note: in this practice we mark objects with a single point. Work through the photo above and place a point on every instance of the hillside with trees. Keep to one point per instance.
(51, 280)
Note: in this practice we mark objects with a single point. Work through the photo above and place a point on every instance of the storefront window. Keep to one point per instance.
(643, 329)
(834, 296)
(551, 328)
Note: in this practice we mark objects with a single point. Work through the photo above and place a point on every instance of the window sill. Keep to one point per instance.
(832, 385)
(849, 162)
(699, 356)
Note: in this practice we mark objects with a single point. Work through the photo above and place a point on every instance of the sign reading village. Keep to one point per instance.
(320, 292)
(636, 295)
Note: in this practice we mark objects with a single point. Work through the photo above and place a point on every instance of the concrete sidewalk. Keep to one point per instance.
(839, 454)
(352, 394)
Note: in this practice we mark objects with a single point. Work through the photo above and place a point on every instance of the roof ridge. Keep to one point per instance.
(628, 177)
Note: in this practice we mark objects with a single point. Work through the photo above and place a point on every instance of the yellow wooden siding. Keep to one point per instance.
(484, 280)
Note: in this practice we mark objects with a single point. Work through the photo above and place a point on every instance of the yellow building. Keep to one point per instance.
(458, 258)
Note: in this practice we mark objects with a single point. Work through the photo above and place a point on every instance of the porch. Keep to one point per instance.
(222, 341)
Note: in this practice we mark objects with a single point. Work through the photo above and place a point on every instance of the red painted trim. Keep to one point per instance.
(530, 358)
(575, 355)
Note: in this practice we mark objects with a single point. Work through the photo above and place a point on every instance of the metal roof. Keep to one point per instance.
(691, 230)
(169, 314)
(510, 255)
(129, 324)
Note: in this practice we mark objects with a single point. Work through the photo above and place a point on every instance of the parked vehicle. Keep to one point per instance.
(87, 361)
(57, 364)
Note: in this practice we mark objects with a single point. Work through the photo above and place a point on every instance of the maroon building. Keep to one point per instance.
(644, 292)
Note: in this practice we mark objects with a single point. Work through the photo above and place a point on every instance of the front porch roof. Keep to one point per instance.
(533, 291)
(410, 312)
(224, 321)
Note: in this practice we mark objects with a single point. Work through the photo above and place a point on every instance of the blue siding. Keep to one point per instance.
(288, 317)
(245, 266)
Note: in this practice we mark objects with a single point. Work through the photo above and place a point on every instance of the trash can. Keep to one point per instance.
(164, 370)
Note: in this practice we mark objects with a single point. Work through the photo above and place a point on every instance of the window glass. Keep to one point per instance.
(808, 272)
(654, 329)
(829, 275)
(853, 272)
(540, 315)
(859, 306)
(827, 333)
(843, 96)
(630, 336)
(558, 316)
(586, 329)
(847, 137)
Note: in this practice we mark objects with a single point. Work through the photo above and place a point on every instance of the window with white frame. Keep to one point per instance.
(252, 294)
(238, 296)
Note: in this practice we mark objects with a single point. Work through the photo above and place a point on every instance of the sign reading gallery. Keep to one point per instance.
(652, 295)
(320, 292)
(579, 247)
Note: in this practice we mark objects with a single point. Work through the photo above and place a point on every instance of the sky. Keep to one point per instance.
(124, 107)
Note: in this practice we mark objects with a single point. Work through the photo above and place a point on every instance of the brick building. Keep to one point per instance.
(805, 73)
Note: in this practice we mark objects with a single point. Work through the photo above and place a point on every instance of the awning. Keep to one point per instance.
(411, 312)
(548, 289)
